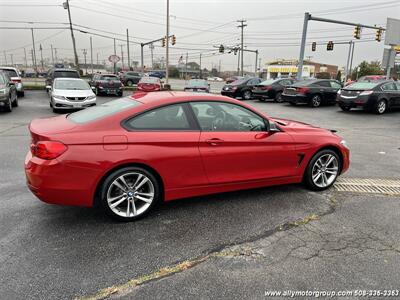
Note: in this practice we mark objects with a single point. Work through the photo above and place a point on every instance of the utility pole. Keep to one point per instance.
(55, 54)
(167, 47)
(303, 46)
(200, 73)
(255, 69)
(52, 56)
(12, 59)
(187, 57)
(33, 60)
(41, 56)
(122, 56)
(351, 59)
(91, 54)
(141, 57)
(84, 55)
(259, 65)
(5, 57)
(26, 59)
(348, 60)
(241, 26)
(34, 52)
(127, 46)
(219, 67)
(115, 53)
(238, 64)
(66, 6)
(97, 59)
(152, 55)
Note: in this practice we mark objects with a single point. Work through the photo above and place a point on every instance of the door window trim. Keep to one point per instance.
(193, 126)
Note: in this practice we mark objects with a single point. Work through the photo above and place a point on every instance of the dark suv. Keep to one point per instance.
(106, 84)
(131, 78)
(56, 73)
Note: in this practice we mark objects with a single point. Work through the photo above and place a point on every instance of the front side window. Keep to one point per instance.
(323, 83)
(335, 85)
(222, 116)
(171, 117)
(388, 87)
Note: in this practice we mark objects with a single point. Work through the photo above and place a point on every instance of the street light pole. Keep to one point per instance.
(115, 53)
(84, 55)
(303, 46)
(127, 46)
(66, 6)
(52, 56)
(122, 55)
(241, 26)
(167, 47)
(26, 59)
(41, 56)
(91, 54)
(34, 52)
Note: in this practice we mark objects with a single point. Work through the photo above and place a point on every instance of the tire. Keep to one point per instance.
(380, 107)
(315, 101)
(318, 177)
(246, 95)
(114, 188)
(129, 83)
(278, 97)
(9, 106)
(293, 103)
(15, 102)
(345, 108)
(120, 94)
(21, 94)
(97, 92)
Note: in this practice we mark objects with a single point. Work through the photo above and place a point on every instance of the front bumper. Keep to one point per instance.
(231, 94)
(67, 104)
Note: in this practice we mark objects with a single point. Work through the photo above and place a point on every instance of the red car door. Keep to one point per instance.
(235, 146)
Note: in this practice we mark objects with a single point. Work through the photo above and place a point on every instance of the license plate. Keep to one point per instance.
(111, 92)
(76, 105)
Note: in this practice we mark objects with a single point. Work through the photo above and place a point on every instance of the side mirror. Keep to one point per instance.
(93, 88)
(48, 87)
(11, 83)
(273, 128)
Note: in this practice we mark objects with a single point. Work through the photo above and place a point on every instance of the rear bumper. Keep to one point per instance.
(55, 182)
(354, 103)
(110, 90)
(296, 99)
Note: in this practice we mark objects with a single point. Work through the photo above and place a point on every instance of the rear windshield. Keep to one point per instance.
(239, 81)
(10, 73)
(109, 77)
(197, 83)
(306, 82)
(66, 74)
(268, 82)
(101, 111)
(150, 80)
(362, 86)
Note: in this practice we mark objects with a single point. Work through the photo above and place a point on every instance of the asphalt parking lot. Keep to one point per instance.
(51, 252)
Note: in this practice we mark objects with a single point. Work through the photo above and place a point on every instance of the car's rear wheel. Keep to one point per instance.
(8, 107)
(323, 170)
(129, 83)
(316, 101)
(278, 97)
(246, 95)
(129, 193)
(15, 102)
(120, 94)
(380, 107)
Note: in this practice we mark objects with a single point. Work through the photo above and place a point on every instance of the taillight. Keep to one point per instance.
(15, 80)
(266, 87)
(48, 149)
(302, 90)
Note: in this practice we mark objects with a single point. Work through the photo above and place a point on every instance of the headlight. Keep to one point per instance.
(2, 91)
(91, 97)
(344, 143)
(339, 92)
(59, 97)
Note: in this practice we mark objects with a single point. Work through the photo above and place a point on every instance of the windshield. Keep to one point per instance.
(101, 111)
(197, 83)
(109, 77)
(10, 73)
(362, 85)
(2, 79)
(150, 80)
(71, 85)
(239, 81)
(268, 82)
(66, 74)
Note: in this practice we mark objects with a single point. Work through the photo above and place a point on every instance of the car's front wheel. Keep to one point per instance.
(246, 95)
(129, 193)
(278, 97)
(380, 107)
(323, 170)
(9, 106)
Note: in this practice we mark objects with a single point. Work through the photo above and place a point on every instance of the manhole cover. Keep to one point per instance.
(375, 185)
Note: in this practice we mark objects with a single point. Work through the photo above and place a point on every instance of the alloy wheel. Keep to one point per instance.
(129, 83)
(130, 194)
(247, 95)
(278, 97)
(316, 101)
(325, 170)
(381, 107)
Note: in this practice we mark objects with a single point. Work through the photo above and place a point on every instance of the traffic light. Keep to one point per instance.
(313, 46)
(163, 42)
(221, 48)
(357, 32)
(378, 35)
(173, 40)
(329, 46)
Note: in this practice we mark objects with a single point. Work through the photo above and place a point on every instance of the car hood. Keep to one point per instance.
(298, 126)
(73, 93)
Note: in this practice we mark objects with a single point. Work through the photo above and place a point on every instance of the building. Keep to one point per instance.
(288, 68)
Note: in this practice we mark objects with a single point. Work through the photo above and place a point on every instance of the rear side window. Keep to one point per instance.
(171, 117)
(323, 83)
(101, 111)
(65, 74)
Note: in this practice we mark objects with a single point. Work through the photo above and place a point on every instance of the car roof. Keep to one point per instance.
(67, 78)
(165, 97)
(65, 70)
(107, 74)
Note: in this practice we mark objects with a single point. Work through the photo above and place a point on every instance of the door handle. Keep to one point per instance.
(214, 141)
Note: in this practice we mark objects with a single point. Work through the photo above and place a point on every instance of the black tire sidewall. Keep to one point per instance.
(110, 178)
(307, 179)
(244, 95)
(312, 102)
(278, 96)
(377, 105)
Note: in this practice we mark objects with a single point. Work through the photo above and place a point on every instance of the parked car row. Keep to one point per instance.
(8, 93)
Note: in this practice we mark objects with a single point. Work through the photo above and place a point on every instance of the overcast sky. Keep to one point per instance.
(273, 27)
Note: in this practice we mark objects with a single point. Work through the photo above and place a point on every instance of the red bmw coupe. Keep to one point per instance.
(129, 154)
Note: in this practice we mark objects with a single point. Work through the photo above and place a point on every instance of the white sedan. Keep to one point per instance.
(71, 93)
